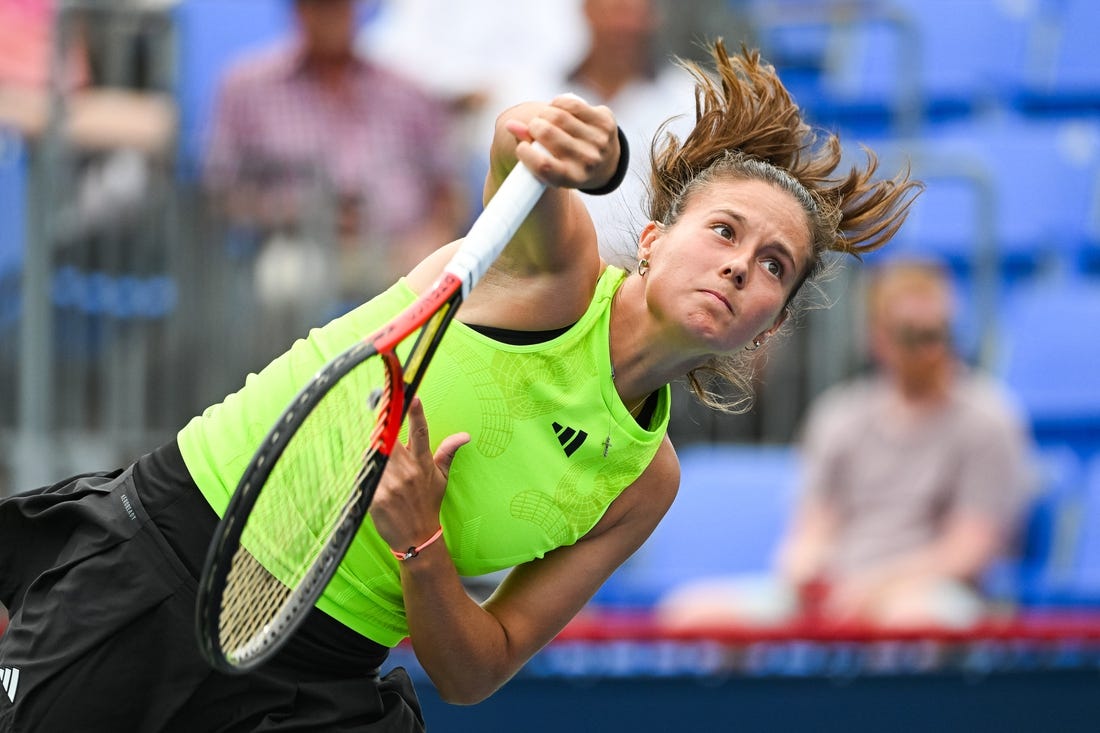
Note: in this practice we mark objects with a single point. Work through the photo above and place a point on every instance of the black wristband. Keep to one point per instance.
(620, 170)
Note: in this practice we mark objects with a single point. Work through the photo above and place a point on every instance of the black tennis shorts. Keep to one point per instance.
(102, 634)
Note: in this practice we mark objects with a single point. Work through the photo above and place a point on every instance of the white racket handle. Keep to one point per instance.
(496, 225)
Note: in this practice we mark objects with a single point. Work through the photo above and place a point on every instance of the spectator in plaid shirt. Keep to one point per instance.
(311, 140)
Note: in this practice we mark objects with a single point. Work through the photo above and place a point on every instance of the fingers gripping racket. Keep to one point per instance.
(306, 490)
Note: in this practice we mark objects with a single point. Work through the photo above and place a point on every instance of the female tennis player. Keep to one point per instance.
(548, 403)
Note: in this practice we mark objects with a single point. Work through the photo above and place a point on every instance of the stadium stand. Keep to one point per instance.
(729, 514)
(1063, 75)
(1049, 358)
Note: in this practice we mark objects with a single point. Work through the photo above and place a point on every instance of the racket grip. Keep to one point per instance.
(496, 225)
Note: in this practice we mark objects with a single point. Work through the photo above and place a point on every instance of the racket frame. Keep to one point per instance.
(432, 313)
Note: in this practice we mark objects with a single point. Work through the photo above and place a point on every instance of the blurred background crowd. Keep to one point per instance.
(187, 185)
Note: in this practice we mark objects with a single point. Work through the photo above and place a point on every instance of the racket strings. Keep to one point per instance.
(312, 491)
(247, 612)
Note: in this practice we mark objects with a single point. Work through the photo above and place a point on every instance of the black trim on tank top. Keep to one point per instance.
(513, 337)
(645, 417)
(519, 338)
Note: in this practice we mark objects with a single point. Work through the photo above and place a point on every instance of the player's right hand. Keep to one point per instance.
(406, 503)
(580, 141)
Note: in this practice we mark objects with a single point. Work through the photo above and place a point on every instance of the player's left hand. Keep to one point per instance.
(406, 503)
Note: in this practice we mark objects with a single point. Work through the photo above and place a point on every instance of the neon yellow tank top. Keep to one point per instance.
(552, 446)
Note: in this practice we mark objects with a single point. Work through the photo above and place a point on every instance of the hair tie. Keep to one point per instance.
(417, 549)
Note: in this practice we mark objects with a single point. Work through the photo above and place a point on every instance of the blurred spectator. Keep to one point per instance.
(621, 66)
(97, 116)
(622, 69)
(536, 37)
(113, 130)
(311, 141)
(915, 479)
(26, 35)
(613, 52)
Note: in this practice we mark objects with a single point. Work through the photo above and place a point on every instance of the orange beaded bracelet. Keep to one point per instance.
(417, 549)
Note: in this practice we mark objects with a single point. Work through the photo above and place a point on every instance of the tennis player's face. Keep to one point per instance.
(724, 271)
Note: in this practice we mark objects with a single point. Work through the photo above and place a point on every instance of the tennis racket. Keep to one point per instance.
(306, 490)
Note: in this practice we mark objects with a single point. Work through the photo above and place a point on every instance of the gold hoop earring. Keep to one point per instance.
(756, 344)
(643, 266)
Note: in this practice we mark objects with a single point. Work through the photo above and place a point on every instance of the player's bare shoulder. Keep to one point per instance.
(661, 479)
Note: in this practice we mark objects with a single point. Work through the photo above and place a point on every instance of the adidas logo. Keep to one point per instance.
(569, 438)
(9, 678)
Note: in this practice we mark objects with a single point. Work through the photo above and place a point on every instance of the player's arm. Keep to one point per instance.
(546, 275)
(580, 149)
(468, 650)
(475, 650)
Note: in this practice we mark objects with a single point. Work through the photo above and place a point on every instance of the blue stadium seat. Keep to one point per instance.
(1045, 553)
(13, 201)
(1088, 556)
(795, 36)
(1071, 575)
(1049, 358)
(968, 53)
(211, 34)
(1064, 75)
(1028, 185)
(732, 508)
(881, 59)
(952, 216)
(1090, 252)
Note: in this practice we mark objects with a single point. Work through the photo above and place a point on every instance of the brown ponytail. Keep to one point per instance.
(748, 126)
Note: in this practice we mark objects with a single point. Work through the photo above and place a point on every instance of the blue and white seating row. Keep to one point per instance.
(1061, 566)
(1050, 359)
(1023, 191)
(876, 59)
